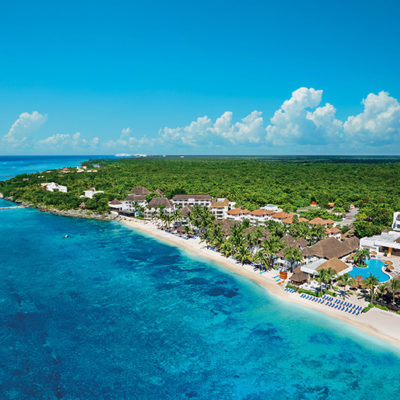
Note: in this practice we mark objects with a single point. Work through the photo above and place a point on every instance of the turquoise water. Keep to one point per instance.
(112, 314)
(374, 268)
(14, 165)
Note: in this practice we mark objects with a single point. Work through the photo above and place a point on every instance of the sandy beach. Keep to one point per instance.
(376, 322)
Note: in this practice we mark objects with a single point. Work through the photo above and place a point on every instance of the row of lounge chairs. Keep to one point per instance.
(340, 305)
(289, 290)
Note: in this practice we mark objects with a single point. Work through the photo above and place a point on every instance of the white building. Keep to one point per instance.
(52, 186)
(384, 243)
(259, 217)
(220, 206)
(396, 221)
(339, 266)
(115, 205)
(91, 192)
(181, 200)
(271, 207)
(131, 201)
(158, 205)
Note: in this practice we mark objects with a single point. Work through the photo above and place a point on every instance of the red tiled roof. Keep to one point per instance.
(259, 212)
(235, 211)
(317, 221)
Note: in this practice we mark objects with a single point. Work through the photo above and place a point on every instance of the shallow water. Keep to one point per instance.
(112, 314)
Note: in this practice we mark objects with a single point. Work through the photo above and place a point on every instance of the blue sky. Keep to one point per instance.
(209, 77)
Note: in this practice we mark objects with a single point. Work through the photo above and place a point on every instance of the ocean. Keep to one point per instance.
(14, 165)
(110, 313)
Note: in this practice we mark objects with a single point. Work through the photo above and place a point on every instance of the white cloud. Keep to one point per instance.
(127, 141)
(204, 132)
(65, 140)
(300, 120)
(25, 124)
(378, 123)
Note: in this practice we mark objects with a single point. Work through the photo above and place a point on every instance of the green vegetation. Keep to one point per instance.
(251, 182)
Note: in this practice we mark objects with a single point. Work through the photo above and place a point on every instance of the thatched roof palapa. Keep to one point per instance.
(299, 276)
(140, 190)
(332, 248)
(334, 264)
(157, 202)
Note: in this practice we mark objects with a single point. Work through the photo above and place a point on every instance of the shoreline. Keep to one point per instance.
(375, 322)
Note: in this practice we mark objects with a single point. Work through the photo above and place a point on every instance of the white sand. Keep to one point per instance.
(382, 324)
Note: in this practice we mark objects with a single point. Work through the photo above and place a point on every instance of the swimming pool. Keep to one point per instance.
(374, 267)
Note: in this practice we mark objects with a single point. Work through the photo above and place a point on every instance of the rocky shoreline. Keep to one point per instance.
(67, 213)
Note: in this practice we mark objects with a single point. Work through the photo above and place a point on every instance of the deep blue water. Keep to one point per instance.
(112, 314)
(14, 165)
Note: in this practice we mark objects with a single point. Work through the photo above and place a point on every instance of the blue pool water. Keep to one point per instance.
(374, 267)
(113, 314)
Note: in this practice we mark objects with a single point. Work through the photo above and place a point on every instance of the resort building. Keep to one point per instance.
(132, 201)
(322, 222)
(331, 248)
(237, 214)
(314, 268)
(158, 205)
(202, 200)
(91, 192)
(385, 243)
(259, 217)
(333, 232)
(185, 212)
(281, 216)
(271, 207)
(396, 221)
(115, 205)
(52, 186)
(220, 206)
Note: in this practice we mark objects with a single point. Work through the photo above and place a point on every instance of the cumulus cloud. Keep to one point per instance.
(126, 140)
(300, 120)
(66, 140)
(378, 123)
(203, 131)
(24, 124)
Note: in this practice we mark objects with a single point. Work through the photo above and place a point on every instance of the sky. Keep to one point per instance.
(200, 77)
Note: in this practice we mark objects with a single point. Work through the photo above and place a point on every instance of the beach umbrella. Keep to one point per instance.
(388, 262)
(390, 267)
(373, 253)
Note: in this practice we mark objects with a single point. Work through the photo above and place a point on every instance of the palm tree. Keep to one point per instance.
(218, 236)
(372, 281)
(395, 286)
(261, 258)
(243, 254)
(328, 277)
(272, 247)
(318, 232)
(226, 248)
(360, 256)
(345, 280)
(293, 255)
(320, 278)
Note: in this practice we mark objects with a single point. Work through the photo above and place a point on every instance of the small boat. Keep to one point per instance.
(66, 236)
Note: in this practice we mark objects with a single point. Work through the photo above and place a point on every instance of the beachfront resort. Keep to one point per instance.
(320, 260)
